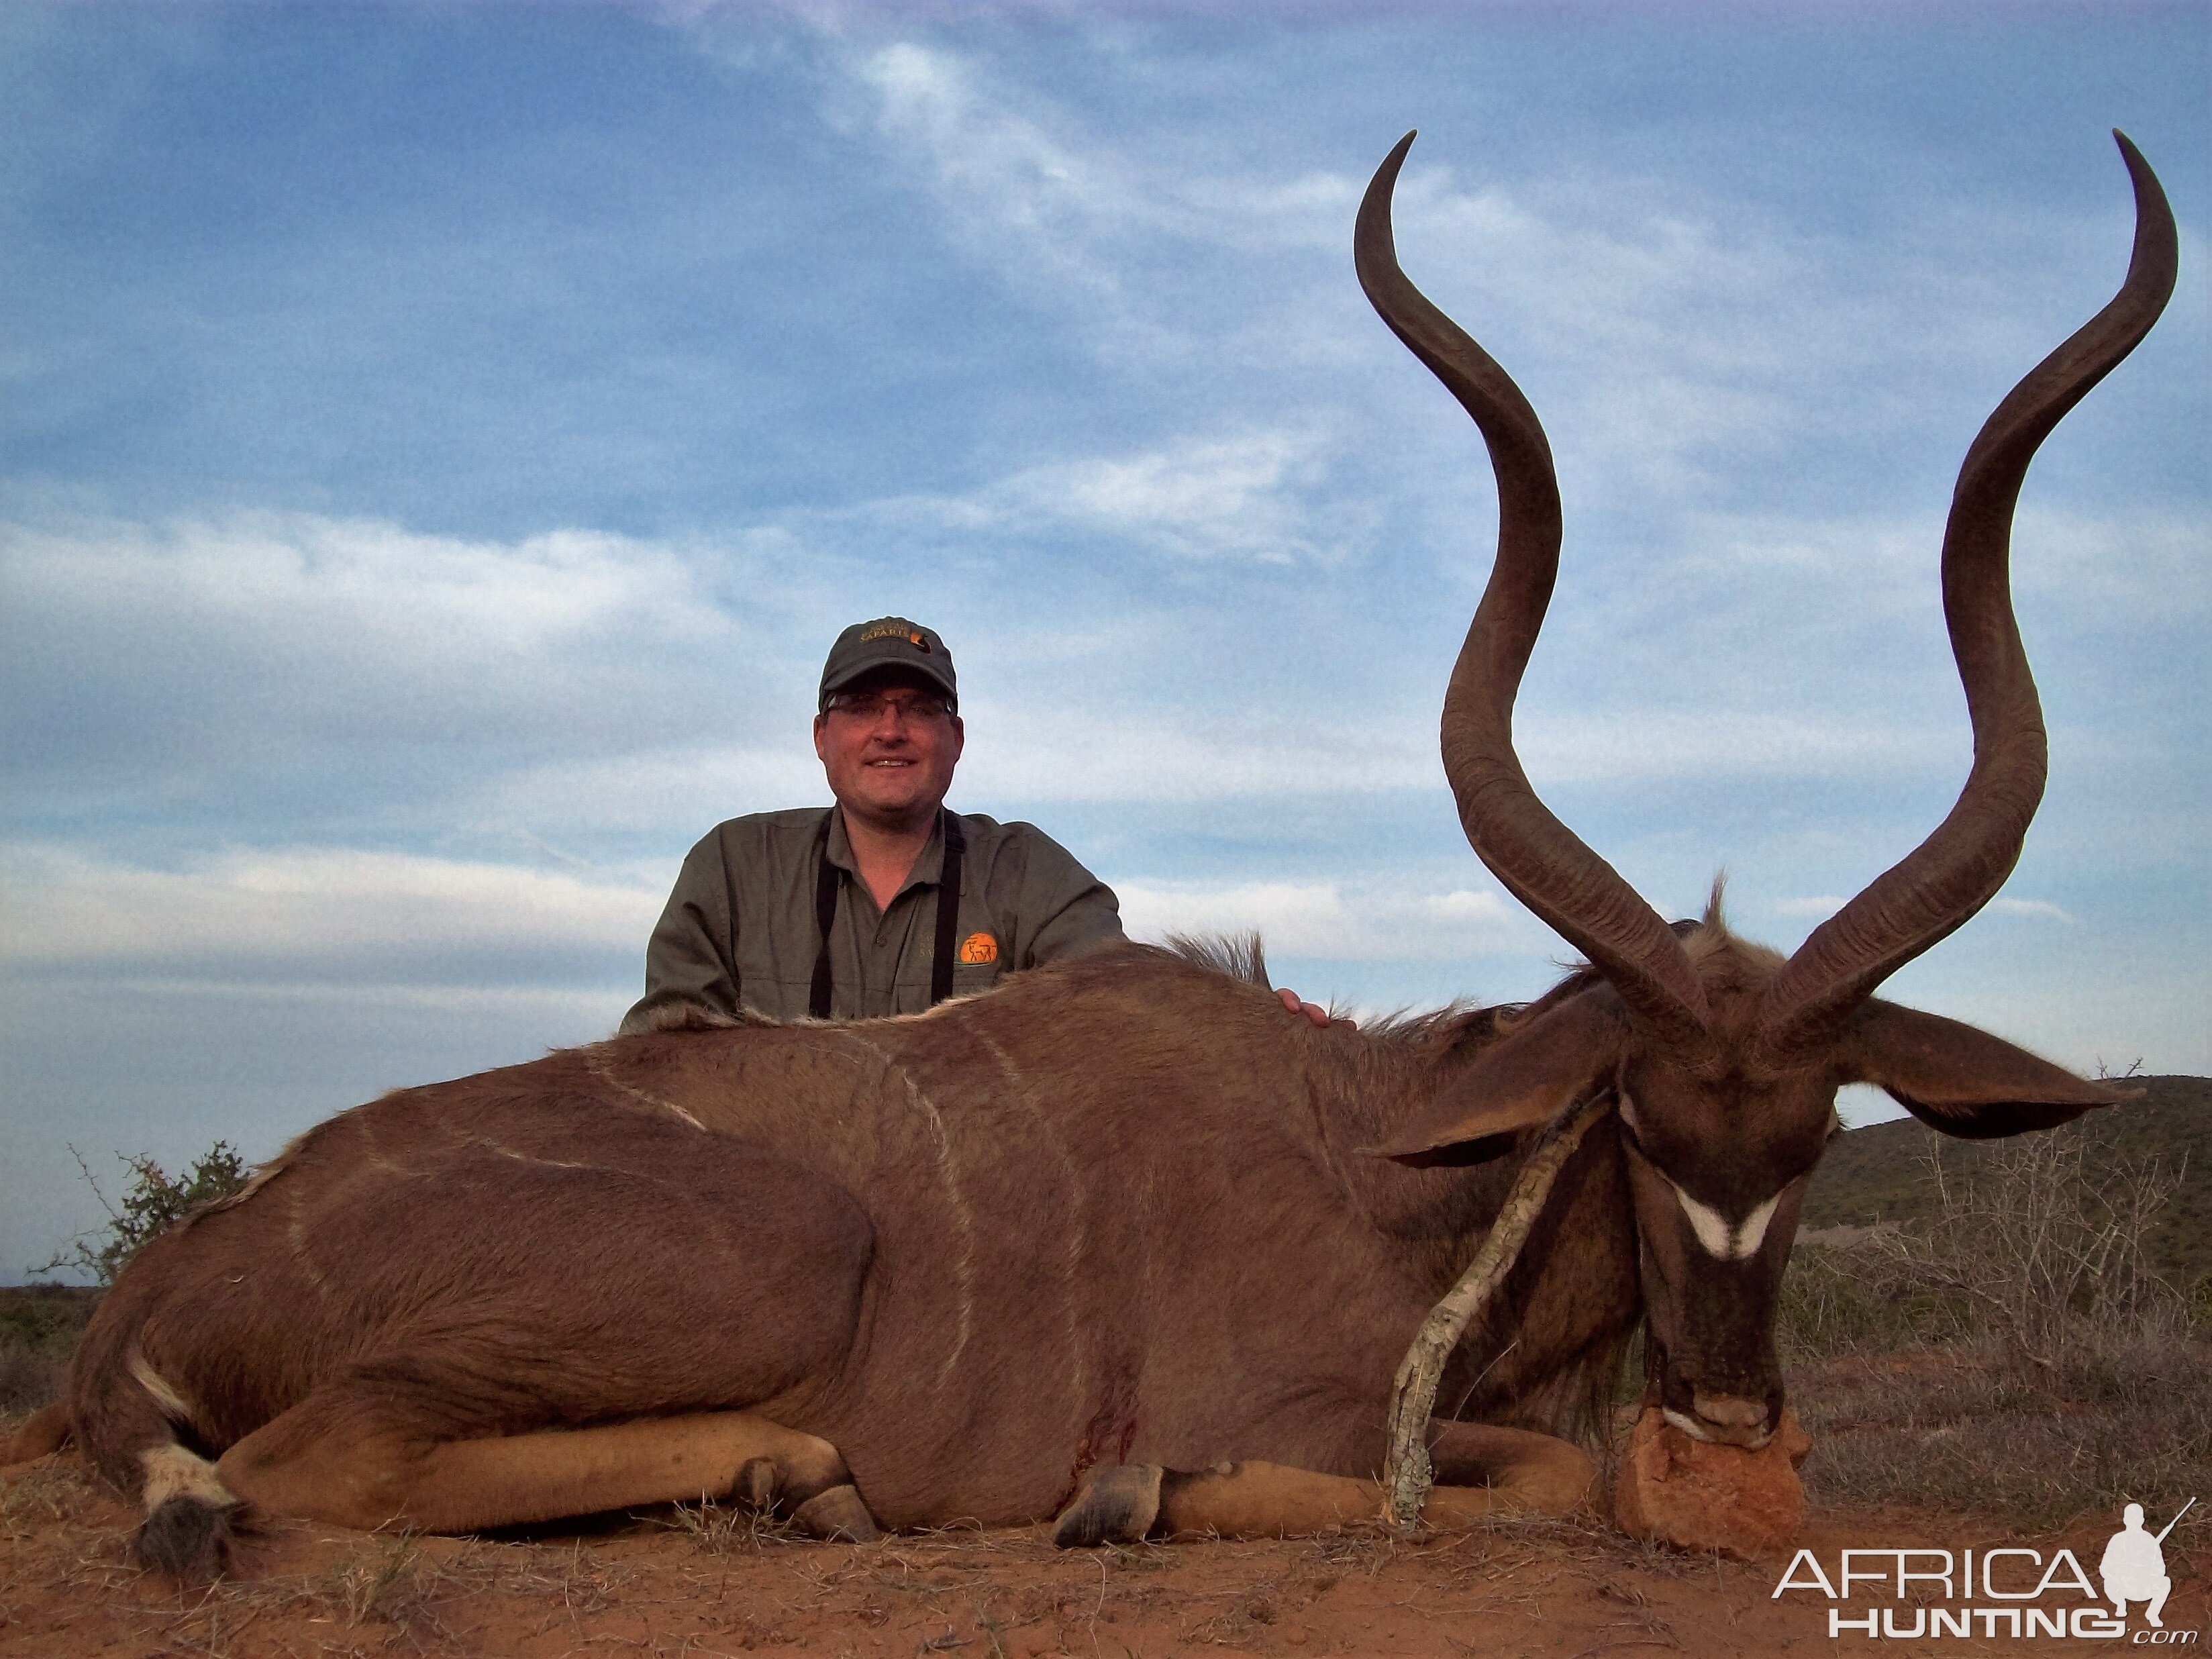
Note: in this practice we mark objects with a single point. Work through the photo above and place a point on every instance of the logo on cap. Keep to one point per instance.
(913, 638)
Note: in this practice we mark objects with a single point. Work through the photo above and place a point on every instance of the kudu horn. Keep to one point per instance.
(1959, 868)
(1538, 859)
(1934, 888)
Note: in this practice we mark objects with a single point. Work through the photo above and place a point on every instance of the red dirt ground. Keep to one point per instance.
(713, 1583)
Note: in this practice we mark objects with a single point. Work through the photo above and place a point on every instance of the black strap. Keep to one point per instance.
(826, 880)
(825, 915)
(948, 913)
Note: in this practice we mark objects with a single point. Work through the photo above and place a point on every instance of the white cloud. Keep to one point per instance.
(158, 658)
(1871, 571)
(682, 790)
(362, 584)
(985, 158)
(1051, 750)
(1020, 756)
(1243, 497)
(1827, 904)
(2117, 565)
(578, 1015)
(1668, 333)
(2039, 908)
(304, 904)
(1646, 744)
(1823, 906)
(1258, 495)
(1328, 920)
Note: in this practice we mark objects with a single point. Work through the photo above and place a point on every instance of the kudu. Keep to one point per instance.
(1102, 1243)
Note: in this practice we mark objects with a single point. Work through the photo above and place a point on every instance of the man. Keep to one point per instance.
(837, 913)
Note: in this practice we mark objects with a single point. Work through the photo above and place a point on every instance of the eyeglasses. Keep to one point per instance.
(869, 707)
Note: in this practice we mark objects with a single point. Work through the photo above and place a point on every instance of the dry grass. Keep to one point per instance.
(2009, 1356)
(1008, 1593)
(29, 1377)
(713, 1582)
(371, 1595)
(1969, 1430)
(40, 1325)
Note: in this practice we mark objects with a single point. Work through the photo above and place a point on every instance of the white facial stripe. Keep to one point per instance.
(1739, 1242)
(1752, 1230)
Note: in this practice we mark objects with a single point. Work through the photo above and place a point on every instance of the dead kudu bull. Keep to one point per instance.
(1068, 1247)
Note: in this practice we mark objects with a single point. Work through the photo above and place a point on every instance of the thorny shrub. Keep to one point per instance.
(150, 1203)
(2012, 1353)
(2038, 1250)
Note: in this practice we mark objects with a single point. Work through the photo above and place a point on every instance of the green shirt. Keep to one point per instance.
(740, 928)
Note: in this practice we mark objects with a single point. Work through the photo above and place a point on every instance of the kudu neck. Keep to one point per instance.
(1363, 1092)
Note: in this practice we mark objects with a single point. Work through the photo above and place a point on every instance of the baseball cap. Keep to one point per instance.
(887, 642)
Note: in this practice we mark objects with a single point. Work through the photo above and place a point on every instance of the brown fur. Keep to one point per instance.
(1121, 1210)
(1127, 1189)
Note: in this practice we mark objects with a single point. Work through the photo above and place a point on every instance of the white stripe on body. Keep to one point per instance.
(595, 1062)
(1077, 1234)
(963, 1264)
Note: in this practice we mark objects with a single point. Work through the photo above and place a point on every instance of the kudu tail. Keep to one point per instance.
(137, 1427)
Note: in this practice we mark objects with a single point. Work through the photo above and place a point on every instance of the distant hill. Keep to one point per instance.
(1880, 1174)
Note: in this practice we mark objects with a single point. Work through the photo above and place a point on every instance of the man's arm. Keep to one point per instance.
(1059, 908)
(691, 959)
(1088, 918)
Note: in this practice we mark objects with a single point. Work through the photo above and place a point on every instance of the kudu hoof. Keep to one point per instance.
(838, 1514)
(1116, 1504)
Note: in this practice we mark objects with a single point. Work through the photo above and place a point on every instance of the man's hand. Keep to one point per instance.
(1296, 1004)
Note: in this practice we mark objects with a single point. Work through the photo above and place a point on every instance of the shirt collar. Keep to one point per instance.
(928, 867)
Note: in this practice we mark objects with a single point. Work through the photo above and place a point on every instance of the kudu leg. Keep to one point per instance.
(41, 1434)
(374, 1479)
(1533, 1474)
(1481, 1471)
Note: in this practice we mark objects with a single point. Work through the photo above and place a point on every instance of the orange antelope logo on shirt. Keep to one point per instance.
(978, 947)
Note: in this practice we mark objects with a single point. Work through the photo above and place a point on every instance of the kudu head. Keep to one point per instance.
(1724, 1058)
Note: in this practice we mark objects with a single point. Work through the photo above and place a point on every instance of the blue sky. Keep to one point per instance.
(438, 444)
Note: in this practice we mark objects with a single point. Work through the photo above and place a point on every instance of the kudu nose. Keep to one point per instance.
(1732, 1418)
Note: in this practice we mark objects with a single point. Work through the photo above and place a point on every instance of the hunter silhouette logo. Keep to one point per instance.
(2133, 1567)
(2007, 1592)
(978, 947)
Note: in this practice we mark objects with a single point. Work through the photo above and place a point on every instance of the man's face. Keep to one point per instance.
(888, 748)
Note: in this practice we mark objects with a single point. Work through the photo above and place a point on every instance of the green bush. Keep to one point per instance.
(150, 1202)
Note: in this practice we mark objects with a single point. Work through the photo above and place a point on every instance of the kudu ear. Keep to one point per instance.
(1517, 1084)
(1960, 1080)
